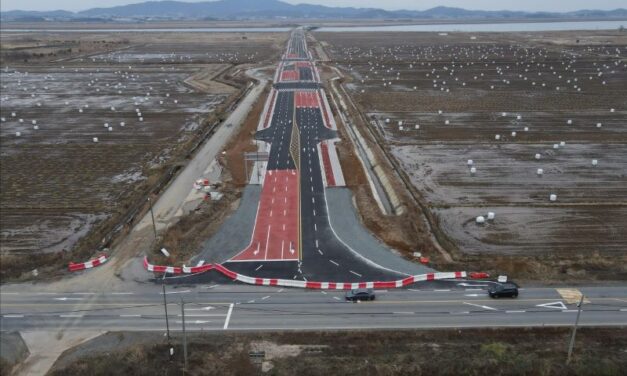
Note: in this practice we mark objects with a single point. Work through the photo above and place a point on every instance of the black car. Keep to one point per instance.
(360, 294)
(503, 290)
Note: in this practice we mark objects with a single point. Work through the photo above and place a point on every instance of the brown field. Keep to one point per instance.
(60, 190)
(497, 84)
(511, 351)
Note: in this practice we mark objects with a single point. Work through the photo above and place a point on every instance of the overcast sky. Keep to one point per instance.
(528, 5)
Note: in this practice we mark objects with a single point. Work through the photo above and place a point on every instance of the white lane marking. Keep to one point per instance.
(623, 309)
(473, 289)
(130, 315)
(265, 297)
(323, 292)
(280, 290)
(13, 316)
(314, 212)
(197, 322)
(472, 295)
(515, 311)
(122, 293)
(64, 299)
(259, 267)
(207, 308)
(333, 262)
(70, 315)
(336, 298)
(460, 313)
(313, 201)
(443, 290)
(82, 293)
(203, 315)
(357, 274)
(414, 290)
(228, 317)
(267, 242)
(176, 292)
(320, 252)
(403, 313)
(315, 227)
(481, 306)
(270, 213)
(570, 310)
(9, 293)
(316, 243)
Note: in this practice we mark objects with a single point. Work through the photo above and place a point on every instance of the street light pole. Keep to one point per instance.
(152, 215)
(572, 337)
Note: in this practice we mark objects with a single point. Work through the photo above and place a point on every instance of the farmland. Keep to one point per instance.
(498, 123)
(85, 135)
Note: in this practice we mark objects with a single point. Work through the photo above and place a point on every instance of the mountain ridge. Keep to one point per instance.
(276, 9)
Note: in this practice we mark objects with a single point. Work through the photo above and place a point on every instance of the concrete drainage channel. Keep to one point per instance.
(380, 185)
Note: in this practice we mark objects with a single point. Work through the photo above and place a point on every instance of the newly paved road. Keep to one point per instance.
(238, 307)
(294, 172)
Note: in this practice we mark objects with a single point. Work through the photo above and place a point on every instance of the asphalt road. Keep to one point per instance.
(323, 256)
(238, 307)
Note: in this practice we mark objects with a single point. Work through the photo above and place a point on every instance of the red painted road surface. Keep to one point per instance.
(275, 237)
(289, 75)
(306, 99)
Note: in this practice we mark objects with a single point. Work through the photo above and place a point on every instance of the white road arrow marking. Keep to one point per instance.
(556, 305)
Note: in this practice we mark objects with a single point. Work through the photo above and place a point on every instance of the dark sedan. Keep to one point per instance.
(503, 290)
(360, 295)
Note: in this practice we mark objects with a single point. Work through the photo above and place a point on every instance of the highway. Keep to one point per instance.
(238, 307)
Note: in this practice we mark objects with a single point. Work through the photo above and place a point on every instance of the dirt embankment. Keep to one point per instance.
(184, 239)
(540, 351)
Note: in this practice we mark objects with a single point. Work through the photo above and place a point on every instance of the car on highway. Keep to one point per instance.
(503, 290)
(356, 295)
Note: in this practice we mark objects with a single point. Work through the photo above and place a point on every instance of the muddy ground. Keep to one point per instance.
(62, 192)
(598, 351)
(512, 103)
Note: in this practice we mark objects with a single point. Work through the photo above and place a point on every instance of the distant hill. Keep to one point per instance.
(276, 9)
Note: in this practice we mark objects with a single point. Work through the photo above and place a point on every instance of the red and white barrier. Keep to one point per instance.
(303, 284)
(176, 269)
(73, 267)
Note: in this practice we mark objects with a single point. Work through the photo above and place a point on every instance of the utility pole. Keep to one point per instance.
(184, 335)
(152, 214)
(572, 337)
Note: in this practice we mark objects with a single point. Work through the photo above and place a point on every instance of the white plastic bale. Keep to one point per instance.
(540, 171)
(480, 219)
(552, 197)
